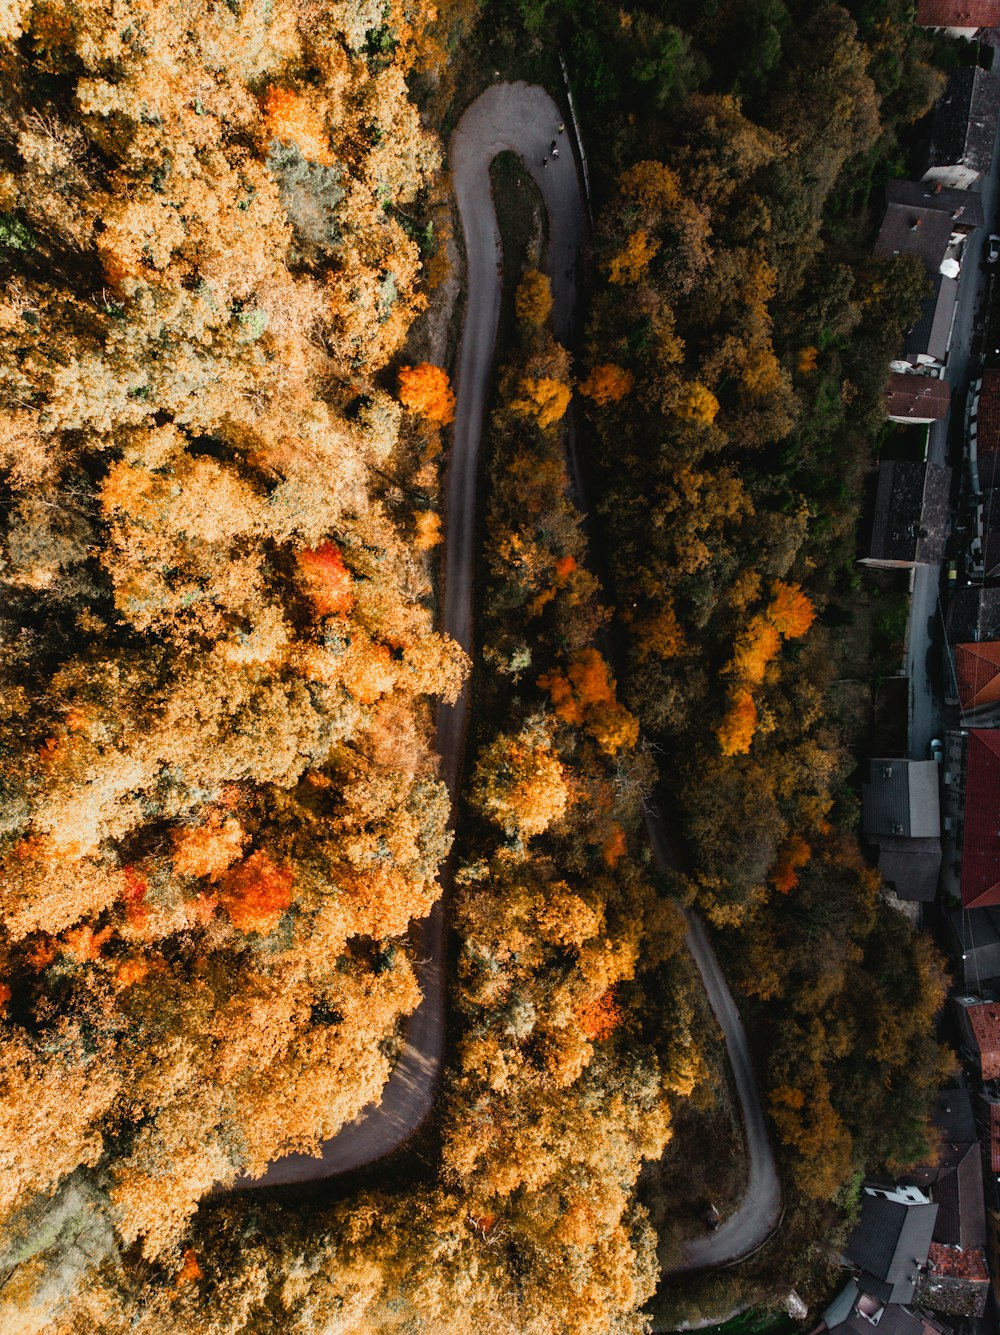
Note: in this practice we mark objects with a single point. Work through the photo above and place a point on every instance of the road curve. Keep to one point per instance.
(524, 119)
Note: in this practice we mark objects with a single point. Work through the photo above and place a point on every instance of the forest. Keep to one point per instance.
(225, 230)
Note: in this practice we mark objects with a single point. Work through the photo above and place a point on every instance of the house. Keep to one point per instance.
(911, 513)
(901, 798)
(964, 130)
(977, 675)
(964, 207)
(901, 817)
(856, 1313)
(979, 1027)
(928, 341)
(975, 935)
(917, 398)
(984, 431)
(959, 18)
(977, 841)
(953, 1178)
(973, 616)
(957, 1282)
(891, 1242)
(909, 230)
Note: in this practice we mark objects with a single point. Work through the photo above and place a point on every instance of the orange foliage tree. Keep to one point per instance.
(295, 118)
(425, 389)
(735, 732)
(607, 383)
(256, 892)
(327, 579)
(599, 1018)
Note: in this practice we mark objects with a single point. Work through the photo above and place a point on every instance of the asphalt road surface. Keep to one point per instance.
(523, 119)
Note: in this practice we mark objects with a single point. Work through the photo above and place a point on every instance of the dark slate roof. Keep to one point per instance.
(917, 397)
(895, 1320)
(965, 120)
(965, 207)
(958, 13)
(961, 1219)
(973, 615)
(890, 1243)
(907, 230)
(976, 933)
(911, 517)
(902, 798)
(981, 827)
(911, 866)
(929, 336)
(955, 1114)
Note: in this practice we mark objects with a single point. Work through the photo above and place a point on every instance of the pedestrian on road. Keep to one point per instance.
(555, 152)
(545, 162)
(561, 127)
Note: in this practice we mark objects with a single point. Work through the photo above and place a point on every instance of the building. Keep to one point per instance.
(964, 130)
(979, 1027)
(977, 675)
(964, 207)
(959, 18)
(928, 341)
(856, 1312)
(973, 616)
(977, 840)
(901, 798)
(975, 935)
(917, 398)
(910, 521)
(891, 1242)
(924, 232)
(956, 1282)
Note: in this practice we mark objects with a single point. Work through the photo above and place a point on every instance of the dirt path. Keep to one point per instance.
(524, 119)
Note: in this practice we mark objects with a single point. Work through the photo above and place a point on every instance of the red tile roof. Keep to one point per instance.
(988, 412)
(917, 396)
(977, 667)
(958, 1262)
(993, 1146)
(985, 1022)
(981, 833)
(958, 13)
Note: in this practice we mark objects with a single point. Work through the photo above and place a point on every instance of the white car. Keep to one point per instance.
(993, 249)
(937, 750)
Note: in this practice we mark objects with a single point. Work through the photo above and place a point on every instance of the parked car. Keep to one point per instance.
(993, 249)
(937, 750)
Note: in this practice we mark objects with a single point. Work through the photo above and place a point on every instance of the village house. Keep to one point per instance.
(972, 816)
(890, 1244)
(979, 1030)
(928, 342)
(901, 818)
(910, 517)
(975, 938)
(964, 130)
(959, 18)
(917, 398)
(973, 615)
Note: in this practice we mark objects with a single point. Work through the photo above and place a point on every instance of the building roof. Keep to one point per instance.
(984, 1020)
(930, 336)
(958, 1191)
(910, 521)
(891, 1241)
(981, 826)
(977, 668)
(958, 13)
(958, 1262)
(955, 1117)
(915, 230)
(991, 1141)
(988, 412)
(902, 798)
(965, 119)
(964, 206)
(973, 615)
(920, 397)
(911, 866)
(977, 936)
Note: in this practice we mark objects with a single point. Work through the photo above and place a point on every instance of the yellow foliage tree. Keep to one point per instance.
(294, 118)
(697, 404)
(631, 264)
(546, 399)
(520, 784)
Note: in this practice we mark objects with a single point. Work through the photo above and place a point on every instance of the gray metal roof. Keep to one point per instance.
(977, 936)
(932, 332)
(902, 798)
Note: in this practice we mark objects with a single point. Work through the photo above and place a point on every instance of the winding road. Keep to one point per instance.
(523, 119)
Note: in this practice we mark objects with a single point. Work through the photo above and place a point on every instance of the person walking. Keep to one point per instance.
(545, 162)
(555, 152)
(561, 127)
